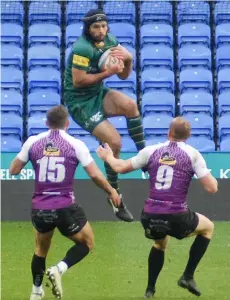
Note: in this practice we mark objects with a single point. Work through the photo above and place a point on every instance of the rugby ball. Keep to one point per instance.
(106, 60)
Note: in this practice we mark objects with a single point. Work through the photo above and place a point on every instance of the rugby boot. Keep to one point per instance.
(122, 211)
(149, 293)
(189, 284)
(54, 277)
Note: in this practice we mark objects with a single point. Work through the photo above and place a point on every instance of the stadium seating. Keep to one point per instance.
(48, 11)
(196, 103)
(12, 79)
(11, 124)
(156, 126)
(224, 127)
(40, 102)
(223, 57)
(12, 12)
(202, 144)
(133, 52)
(120, 124)
(49, 34)
(120, 11)
(195, 33)
(11, 56)
(222, 35)
(130, 95)
(156, 34)
(158, 102)
(75, 10)
(75, 130)
(36, 124)
(43, 56)
(73, 32)
(156, 78)
(193, 11)
(125, 33)
(127, 144)
(194, 56)
(224, 103)
(44, 79)
(10, 143)
(196, 79)
(90, 142)
(157, 56)
(155, 140)
(158, 12)
(11, 101)
(225, 145)
(201, 125)
(12, 34)
(222, 13)
(128, 85)
(223, 80)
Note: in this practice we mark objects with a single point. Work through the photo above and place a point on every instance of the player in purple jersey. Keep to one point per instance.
(55, 155)
(171, 166)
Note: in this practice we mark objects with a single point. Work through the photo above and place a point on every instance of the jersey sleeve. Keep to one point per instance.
(141, 159)
(200, 167)
(82, 55)
(23, 155)
(83, 154)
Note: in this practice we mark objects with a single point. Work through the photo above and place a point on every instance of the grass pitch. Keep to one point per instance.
(117, 267)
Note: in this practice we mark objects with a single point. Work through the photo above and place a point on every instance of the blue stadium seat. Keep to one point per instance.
(11, 102)
(12, 34)
(10, 144)
(12, 12)
(224, 127)
(130, 95)
(222, 35)
(156, 125)
(223, 80)
(12, 56)
(222, 13)
(194, 56)
(36, 124)
(156, 34)
(44, 12)
(201, 125)
(127, 144)
(133, 52)
(43, 56)
(73, 32)
(156, 12)
(120, 11)
(76, 130)
(75, 10)
(196, 79)
(156, 78)
(44, 34)
(11, 124)
(194, 33)
(42, 101)
(49, 79)
(193, 11)
(90, 141)
(225, 145)
(196, 103)
(125, 33)
(223, 57)
(11, 79)
(157, 56)
(149, 141)
(128, 84)
(202, 144)
(224, 104)
(158, 102)
(120, 124)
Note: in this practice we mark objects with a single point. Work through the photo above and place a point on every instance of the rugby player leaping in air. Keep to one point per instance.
(90, 103)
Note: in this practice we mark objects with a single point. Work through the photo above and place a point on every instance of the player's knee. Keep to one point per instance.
(160, 246)
(209, 228)
(90, 243)
(131, 109)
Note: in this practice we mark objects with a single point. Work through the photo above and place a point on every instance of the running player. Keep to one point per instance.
(90, 103)
(171, 166)
(55, 155)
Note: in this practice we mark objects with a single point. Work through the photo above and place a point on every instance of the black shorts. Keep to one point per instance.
(68, 220)
(178, 225)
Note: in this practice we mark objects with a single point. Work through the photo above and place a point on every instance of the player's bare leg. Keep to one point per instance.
(84, 242)
(203, 234)
(106, 133)
(42, 245)
(155, 265)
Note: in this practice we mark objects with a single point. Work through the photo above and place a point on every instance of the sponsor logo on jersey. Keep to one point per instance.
(80, 60)
(167, 159)
(50, 149)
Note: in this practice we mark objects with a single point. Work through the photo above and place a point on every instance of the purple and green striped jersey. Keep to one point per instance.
(54, 155)
(171, 166)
